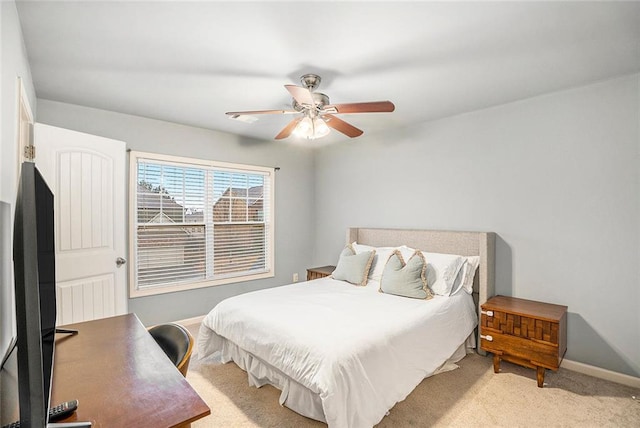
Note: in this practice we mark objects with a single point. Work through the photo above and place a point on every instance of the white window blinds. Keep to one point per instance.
(199, 223)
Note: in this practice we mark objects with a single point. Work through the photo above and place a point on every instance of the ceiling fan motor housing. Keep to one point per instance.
(319, 99)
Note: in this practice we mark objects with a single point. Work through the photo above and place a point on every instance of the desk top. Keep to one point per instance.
(121, 377)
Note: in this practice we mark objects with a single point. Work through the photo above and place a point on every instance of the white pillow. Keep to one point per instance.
(442, 270)
(381, 257)
(464, 280)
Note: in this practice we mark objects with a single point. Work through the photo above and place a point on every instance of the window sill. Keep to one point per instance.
(152, 291)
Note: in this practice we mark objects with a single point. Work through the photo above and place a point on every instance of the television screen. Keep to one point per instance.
(46, 278)
(35, 297)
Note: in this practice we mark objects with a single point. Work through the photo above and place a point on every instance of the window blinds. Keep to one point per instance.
(199, 223)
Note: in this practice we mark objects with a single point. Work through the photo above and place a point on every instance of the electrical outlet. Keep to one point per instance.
(295, 277)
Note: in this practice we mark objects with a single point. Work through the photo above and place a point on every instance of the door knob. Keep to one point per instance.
(120, 261)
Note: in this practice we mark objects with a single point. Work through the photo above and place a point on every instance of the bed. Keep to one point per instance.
(346, 354)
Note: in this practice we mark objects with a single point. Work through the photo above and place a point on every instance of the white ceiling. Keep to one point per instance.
(191, 62)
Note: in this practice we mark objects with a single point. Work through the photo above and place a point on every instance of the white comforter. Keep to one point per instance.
(361, 351)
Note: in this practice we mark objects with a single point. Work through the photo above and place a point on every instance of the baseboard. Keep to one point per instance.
(190, 321)
(601, 373)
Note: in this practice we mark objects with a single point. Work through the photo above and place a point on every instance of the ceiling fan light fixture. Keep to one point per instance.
(321, 127)
(311, 128)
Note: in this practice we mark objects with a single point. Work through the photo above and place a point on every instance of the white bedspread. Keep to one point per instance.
(360, 350)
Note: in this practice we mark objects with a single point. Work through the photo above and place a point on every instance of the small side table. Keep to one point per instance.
(525, 332)
(319, 272)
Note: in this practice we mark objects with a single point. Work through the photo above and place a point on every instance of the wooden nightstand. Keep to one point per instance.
(319, 272)
(525, 332)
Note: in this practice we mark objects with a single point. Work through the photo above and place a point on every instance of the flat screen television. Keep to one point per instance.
(35, 295)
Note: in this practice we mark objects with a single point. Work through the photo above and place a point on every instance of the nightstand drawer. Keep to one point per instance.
(538, 353)
(521, 326)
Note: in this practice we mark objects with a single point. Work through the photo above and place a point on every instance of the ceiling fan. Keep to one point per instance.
(315, 114)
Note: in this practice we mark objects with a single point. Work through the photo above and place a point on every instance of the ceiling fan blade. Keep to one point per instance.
(287, 130)
(370, 107)
(252, 112)
(342, 126)
(301, 95)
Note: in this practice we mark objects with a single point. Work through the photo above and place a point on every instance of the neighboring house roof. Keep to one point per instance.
(156, 207)
(256, 192)
(236, 204)
(151, 203)
(253, 193)
(161, 218)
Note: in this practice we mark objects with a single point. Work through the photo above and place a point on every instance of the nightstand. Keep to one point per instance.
(525, 332)
(319, 272)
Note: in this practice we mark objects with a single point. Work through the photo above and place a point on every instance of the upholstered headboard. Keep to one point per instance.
(481, 244)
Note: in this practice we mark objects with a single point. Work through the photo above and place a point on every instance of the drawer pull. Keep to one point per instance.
(488, 337)
(487, 313)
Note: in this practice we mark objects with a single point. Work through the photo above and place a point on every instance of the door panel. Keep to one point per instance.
(87, 176)
(86, 298)
(84, 188)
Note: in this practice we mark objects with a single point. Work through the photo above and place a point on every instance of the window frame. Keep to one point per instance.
(134, 157)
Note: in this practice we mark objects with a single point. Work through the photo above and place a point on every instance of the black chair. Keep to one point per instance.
(176, 342)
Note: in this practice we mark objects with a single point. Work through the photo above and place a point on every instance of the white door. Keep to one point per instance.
(87, 176)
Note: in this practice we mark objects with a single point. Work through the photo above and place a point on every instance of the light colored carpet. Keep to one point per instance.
(469, 396)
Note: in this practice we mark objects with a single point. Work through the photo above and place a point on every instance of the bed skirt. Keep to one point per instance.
(296, 396)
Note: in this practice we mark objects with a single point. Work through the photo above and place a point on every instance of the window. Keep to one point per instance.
(197, 223)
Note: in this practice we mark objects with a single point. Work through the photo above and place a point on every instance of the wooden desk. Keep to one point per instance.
(121, 377)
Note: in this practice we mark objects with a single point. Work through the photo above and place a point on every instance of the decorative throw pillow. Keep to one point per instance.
(352, 267)
(405, 279)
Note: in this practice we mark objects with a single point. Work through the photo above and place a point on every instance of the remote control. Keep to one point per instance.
(61, 411)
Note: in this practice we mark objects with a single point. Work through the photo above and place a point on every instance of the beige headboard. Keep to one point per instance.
(481, 244)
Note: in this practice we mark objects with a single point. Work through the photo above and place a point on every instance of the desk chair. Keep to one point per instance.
(176, 342)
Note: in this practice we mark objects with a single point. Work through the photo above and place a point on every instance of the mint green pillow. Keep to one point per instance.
(352, 267)
(407, 280)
